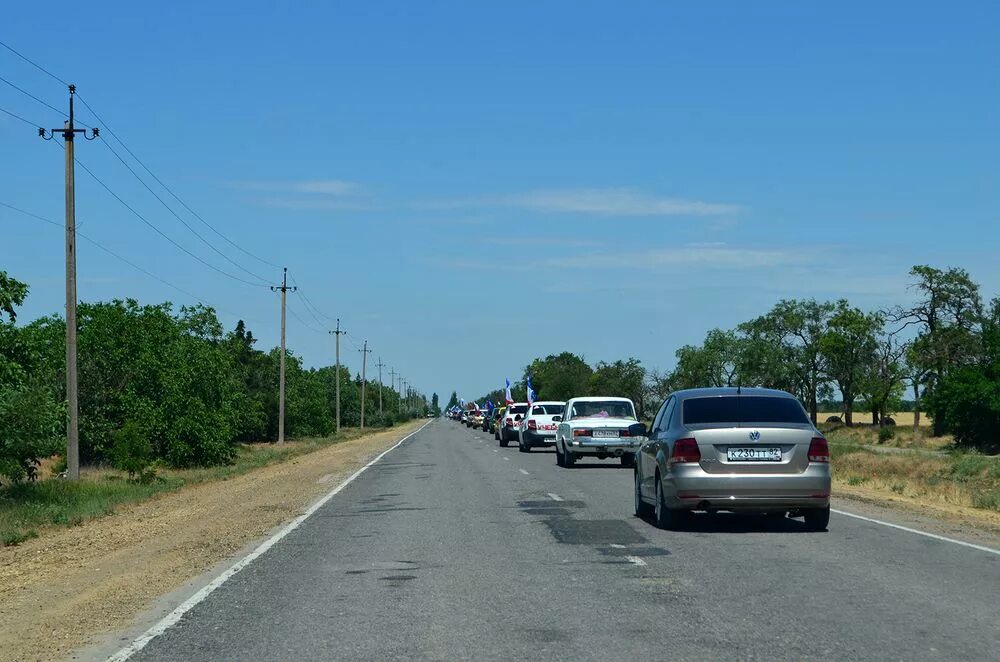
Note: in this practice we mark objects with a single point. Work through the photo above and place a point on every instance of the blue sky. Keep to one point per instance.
(471, 185)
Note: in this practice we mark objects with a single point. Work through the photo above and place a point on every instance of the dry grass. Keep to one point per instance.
(905, 437)
(903, 418)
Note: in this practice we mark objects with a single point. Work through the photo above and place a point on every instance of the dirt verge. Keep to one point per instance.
(61, 591)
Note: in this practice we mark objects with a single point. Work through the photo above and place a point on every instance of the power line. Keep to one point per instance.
(41, 101)
(311, 307)
(34, 64)
(175, 215)
(130, 263)
(159, 231)
(304, 323)
(168, 189)
(18, 117)
(308, 310)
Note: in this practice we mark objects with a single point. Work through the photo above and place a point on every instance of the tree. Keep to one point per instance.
(559, 377)
(947, 316)
(883, 382)
(453, 400)
(12, 294)
(435, 405)
(625, 379)
(849, 347)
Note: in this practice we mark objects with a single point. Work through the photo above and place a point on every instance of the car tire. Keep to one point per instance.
(522, 447)
(665, 518)
(817, 519)
(559, 456)
(642, 509)
(569, 459)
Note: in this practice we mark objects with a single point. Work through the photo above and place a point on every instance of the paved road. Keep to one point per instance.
(451, 548)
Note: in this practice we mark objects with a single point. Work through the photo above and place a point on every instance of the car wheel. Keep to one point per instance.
(569, 458)
(641, 507)
(817, 519)
(559, 456)
(665, 518)
(521, 446)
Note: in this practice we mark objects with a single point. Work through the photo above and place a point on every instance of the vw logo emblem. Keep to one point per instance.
(755, 436)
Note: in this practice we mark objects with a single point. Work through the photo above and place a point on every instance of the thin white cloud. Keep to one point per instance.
(322, 204)
(333, 187)
(599, 202)
(713, 256)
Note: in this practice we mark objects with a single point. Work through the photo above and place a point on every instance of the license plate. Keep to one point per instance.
(606, 434)
(753, 454)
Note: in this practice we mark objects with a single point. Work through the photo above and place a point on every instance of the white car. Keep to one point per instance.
(599, 427)
(506, 431)
(538, 427)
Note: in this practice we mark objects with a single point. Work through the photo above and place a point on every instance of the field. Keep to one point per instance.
(903, 418)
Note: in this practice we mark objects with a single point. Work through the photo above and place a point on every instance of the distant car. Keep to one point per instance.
(598, 427)
(498, 414)
(476, 418)
(489, 421)
(463, 417)
(538, 427)
(746, 450)
(511, 418)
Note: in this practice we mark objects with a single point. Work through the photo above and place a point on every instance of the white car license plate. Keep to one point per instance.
(606, 434)
(753, 454)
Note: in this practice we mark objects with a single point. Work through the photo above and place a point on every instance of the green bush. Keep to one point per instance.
(886, 433)
(133, 453)
(30, 428)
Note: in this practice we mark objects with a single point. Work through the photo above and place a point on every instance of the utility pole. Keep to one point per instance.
(380, 366)
(337, 333)
(392, 379)
(281, 379)
(69, 131)
(364, 360)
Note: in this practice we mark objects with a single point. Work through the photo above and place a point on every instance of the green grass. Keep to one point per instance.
(27, 507)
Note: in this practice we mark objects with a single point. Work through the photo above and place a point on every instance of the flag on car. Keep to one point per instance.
(489, 406)
(507, 397)
(531, 392)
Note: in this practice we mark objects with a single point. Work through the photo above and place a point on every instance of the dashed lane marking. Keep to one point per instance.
(635, 560)
(524, 472)
(555, 497)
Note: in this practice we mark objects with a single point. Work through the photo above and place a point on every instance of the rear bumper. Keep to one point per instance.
(536, 439)
(606, 447)
(693, 488)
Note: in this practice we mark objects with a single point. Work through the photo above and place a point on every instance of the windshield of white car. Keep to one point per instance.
(603, 409)
(743, 409)
(547, 410)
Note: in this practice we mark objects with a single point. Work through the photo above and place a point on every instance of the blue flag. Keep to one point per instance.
(531, 392)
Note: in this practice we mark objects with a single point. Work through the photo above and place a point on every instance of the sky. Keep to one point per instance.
(470, 185)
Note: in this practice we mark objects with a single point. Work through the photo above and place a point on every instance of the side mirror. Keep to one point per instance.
(637, 430)
(557, 418)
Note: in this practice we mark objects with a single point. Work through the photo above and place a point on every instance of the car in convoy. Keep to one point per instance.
(498, 415)
(490, 422)
(512, 416)
(538, 427)
(475, 419)
(733, 449)
(598, 427)
(463, 418)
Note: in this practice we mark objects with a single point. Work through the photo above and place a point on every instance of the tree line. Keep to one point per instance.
(176, 379)
(942, 352)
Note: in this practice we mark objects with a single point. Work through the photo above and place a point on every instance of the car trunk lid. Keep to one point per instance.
(754, 450)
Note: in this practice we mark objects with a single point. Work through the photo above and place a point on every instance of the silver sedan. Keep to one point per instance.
(729, 449)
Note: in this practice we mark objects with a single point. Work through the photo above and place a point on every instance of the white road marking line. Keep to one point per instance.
(555, 497)
(506, 459)
(617, 546)
(496, 450)
(981, 548)
(171, 619)
(635, 560)
(524, 472)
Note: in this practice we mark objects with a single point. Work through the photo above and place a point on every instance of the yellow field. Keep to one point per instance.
(902, 418)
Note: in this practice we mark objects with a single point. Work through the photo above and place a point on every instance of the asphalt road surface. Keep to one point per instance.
(452, 548)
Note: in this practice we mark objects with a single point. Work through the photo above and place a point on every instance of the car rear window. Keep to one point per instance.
(743, 409)
(603, 409)
(517, 409)
(547, 410)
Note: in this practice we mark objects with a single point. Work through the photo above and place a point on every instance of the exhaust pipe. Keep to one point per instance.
(618, 452)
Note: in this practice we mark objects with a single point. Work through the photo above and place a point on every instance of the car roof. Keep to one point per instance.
(597, 398)
(549, 402)
(717, 392)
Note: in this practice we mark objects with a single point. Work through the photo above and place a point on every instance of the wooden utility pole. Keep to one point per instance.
(364, 360)
(392, 378)
(281, 379)
(69, 131)
(380, 366)
(338, 332)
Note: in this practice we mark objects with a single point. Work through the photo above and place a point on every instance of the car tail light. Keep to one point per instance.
(685, 450)
(532, 425)
(623, 433)
(819, 450)
(581, 433)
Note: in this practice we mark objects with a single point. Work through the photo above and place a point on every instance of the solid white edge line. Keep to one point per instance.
(981, 548)
(555, 497)
(173, 617)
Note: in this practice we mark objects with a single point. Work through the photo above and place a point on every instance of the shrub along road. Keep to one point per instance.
(452, 548)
